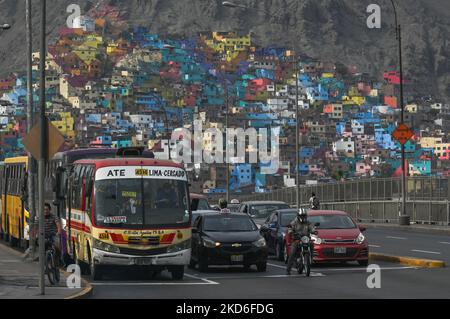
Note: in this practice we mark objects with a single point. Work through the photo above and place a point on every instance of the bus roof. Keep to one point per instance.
(17, 159)
(128, 162)
(73, 155)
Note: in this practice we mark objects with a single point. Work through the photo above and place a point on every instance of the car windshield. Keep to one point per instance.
(228, 224)
(202, 204)
(137, 202)
(234, 208)
(332, 221)
(287, 218)
(264, 210)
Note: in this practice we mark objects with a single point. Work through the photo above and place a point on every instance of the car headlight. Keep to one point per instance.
(260, 242)
(360, 239)
(179, 247)
(317, 240)
(305, 239)
(106, 247)
(210, 243)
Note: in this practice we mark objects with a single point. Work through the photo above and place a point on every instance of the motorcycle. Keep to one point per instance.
(304, 255)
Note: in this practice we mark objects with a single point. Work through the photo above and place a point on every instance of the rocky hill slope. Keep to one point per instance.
(332, 30)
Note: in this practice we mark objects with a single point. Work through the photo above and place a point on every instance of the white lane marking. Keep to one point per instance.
(278, 266)
(374, 246)
(355, 268)
(426, 251)
(204, 281)
(10, 261)
(393, 237)
(365, 269)
(444, 242)
(152, 283)
(312, 274)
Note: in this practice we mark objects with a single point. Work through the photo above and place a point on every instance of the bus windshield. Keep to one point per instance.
(138, 203)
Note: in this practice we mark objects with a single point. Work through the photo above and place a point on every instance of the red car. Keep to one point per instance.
(339, 238)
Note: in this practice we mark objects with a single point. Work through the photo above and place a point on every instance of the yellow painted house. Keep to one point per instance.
(93, 41)
(229, 43)
(86, 54)
(358, 100)
(430, 142)
(65, 125)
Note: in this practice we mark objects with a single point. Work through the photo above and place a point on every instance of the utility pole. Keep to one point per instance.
(227, 159)
(297, 128)
(30, 122)
(403, 218)
(43, 148)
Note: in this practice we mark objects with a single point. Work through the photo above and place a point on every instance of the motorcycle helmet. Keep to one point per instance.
(223, 203)
(302, 214)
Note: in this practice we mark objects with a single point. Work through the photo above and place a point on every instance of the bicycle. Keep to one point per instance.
(51, 268)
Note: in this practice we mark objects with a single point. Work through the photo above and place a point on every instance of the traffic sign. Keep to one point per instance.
(32, 141)
(402, 133)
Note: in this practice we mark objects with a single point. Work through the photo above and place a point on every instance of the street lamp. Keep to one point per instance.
(230, 4)
(5, 26)
(403, 218)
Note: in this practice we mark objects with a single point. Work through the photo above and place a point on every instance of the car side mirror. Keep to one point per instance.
(317, 224)
(362, 228)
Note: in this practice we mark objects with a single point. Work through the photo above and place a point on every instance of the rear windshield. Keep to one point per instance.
(228, 224)
(332, 221)
(264, 210)
(286, 219)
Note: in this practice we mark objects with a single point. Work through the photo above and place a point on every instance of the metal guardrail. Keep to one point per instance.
(375, 200)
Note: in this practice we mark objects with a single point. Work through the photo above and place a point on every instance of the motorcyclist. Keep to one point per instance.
(299, 227)
(223, 205)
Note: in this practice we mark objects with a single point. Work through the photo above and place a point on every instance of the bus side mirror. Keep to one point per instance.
(89, 186)
(59, 187)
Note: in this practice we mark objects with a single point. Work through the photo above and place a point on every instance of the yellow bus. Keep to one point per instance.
(14, 213)
(128, 212)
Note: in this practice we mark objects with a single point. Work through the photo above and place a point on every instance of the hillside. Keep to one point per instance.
(333, 30)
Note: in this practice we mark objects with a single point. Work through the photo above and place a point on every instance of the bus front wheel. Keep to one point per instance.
(177, 272)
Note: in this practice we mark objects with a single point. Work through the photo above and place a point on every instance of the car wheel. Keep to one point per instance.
(363, 263)
(261, 267)
(285, 254)
(191, 264)
(95, 270)
(177, 273)
(202, 265)
(281, 251)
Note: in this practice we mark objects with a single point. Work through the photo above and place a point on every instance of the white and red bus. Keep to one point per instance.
(129, 212)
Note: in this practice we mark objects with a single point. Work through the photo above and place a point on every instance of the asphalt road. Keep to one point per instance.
(408, 243)
(326, 281)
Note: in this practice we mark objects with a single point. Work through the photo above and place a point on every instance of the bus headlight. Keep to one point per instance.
(106, 247)
(179, 247)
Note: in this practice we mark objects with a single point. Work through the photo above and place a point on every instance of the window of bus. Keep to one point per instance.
(166, 202)
(119, 202)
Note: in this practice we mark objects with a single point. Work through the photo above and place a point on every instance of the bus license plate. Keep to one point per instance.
(237, 258)
(340, 250)
(143, 261)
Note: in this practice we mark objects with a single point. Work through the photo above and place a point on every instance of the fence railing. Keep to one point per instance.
(375, 199)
